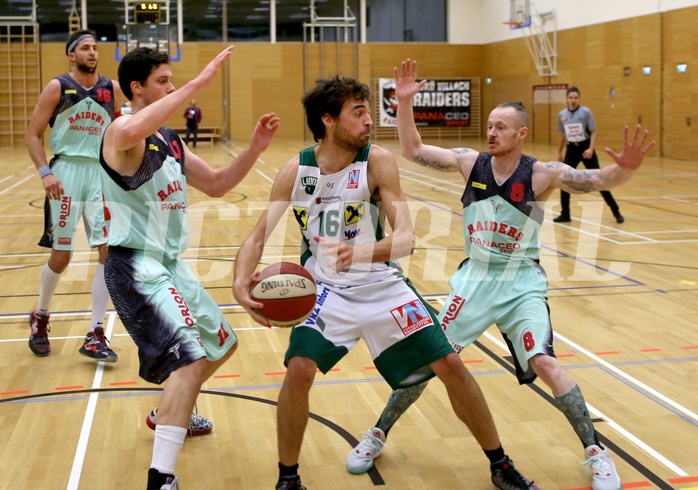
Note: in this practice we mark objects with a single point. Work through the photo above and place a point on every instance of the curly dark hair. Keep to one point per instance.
(328, 97)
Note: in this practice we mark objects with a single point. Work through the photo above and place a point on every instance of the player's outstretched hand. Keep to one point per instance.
(264, 131)
(406, 85)
(632, 154)
(211, 69)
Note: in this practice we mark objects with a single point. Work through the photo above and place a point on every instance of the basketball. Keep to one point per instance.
(287, 291)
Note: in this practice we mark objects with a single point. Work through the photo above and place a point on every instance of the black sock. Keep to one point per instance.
(495, 455)
(157, 479)
(288, 471)
(385, 431)
(596, 440)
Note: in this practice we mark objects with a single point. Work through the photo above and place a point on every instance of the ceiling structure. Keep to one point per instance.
(202, 18)
(246, 20)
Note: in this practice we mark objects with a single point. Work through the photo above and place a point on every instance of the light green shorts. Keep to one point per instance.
(167, 312)
(514, 300)
(82, 185)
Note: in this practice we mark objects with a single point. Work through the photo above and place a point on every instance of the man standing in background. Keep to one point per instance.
(578, 132)
(78, 106)
(193, 116)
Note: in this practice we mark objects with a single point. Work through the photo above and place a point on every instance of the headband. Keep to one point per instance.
(72, 45)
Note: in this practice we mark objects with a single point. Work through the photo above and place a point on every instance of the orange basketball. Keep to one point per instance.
(287, 291)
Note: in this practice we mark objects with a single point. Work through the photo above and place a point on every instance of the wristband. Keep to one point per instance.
(44, 171)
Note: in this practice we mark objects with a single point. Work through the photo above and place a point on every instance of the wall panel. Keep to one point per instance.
(266, 77)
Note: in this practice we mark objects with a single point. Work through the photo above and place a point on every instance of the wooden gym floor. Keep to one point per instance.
(624, 306)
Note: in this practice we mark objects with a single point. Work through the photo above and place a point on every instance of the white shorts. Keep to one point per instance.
(398, 326)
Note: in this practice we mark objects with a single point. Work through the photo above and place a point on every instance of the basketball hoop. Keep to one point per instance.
(512, 24)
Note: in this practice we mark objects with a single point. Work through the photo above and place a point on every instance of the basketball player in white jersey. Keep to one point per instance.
(341, 192)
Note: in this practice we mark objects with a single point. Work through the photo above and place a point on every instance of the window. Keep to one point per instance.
(386, 20)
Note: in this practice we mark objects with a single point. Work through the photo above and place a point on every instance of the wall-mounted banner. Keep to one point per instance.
(439, 103)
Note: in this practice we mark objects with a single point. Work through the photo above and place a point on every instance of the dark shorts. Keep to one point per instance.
(166, 311)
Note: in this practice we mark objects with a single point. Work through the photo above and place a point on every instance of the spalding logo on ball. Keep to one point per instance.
(287, 291)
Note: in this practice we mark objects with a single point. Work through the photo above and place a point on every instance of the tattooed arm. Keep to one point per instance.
(411, 146)
(453, 160)
(558, 175)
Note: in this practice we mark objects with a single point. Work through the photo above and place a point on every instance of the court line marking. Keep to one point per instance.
(639, 236)
(264, 175)
(233, 154)
(617, 427)
(149, 391)
(81, 450)
(143, 391)
(487, 334)
(16, 185)
(682, 201)
(667, 232)
(627, 377)
(373, 473)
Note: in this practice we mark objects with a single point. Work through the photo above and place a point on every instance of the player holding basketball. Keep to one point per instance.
(181, 333)
(341, 191)
(78, 106)
(501, 282)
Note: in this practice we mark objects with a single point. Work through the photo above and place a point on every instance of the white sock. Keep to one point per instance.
(168, 442)
(47, 286)
(100, 298)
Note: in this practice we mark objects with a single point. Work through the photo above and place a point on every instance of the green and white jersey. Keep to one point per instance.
(501, 222)
(79, 121)
(148, 210)
(338, 207)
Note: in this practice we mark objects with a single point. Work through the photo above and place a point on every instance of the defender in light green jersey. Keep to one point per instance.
(181, 333)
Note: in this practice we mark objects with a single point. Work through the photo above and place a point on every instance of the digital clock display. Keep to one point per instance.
(146, 13)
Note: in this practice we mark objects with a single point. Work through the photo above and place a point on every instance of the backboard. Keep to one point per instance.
(519, 14)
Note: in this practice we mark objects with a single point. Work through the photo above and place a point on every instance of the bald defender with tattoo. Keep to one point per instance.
(503, 208)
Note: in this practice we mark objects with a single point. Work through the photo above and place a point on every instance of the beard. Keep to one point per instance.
(85, 68)
(499, 151)
(348, 141)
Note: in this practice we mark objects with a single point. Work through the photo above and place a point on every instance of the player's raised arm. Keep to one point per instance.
(627, 161)
(411, 146)
(218, 182)
(147, 119)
